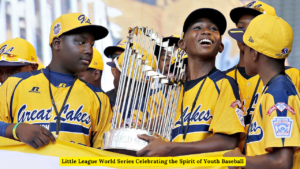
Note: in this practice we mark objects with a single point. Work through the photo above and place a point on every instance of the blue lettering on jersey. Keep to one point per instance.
(24, 115)
(35, 90)
(70, 115)
(196, 116)
(77, 115)
(255, 137)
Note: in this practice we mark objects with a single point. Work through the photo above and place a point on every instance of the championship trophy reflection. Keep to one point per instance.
(146, 99)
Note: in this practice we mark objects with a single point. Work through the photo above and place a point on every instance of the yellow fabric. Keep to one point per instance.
(247, 87)
(67, 22)
(65, 149)
(276, 121)
(97, 62)
(269, 35)
(27, 100)
(18, 50)
(261, 7)
(122, 44)
(213, 112)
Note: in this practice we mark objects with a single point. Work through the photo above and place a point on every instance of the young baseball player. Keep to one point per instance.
(93, 74)
(251, 86)
(161, 55)
(114, 52)
(17, 55)
(273, 135)
(50, 103)
(208, 114)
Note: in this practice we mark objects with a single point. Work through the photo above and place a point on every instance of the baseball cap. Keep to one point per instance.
(97, 62)
(173, 39)
(214, 15)
(111, 49)
(17, 52)
(68, 23)
(267, 34)
(118, 63)
(254, 8)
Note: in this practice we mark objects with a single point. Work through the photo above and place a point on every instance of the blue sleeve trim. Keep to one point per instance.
(3, 127)
(95, 89)
(11, 101)
(234, 87)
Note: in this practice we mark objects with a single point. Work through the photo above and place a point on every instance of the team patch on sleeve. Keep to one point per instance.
(282, 127)
(236, 103)
(281, 106)
(240, 115)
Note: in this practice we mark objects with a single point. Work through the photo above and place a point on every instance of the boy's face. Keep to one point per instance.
(243, 23)
(7, 71)
(161, 62)
(202, 39)
(77, 51)
(250, 65)
(116, 73)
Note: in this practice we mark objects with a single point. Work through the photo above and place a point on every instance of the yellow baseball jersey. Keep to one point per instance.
(247, 86)
(276, 120)
(217, 109)
(25, 98)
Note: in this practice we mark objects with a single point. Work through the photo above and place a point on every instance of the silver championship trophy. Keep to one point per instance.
(146, 99)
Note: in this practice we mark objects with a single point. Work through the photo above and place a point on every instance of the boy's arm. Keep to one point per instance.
(159, 148)
(278, 158)
(225, 125)
(33, 135)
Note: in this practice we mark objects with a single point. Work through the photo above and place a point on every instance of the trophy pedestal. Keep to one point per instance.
(124, 141)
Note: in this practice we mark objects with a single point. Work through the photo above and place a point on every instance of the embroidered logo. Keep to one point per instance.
(251, 40)
(83, 18)
(35, 90)
(281, 106)
(284, 50)
(56, 29)
(236, 103)
(240, 115)
(62, 85)
(4, 51)
(282, 127)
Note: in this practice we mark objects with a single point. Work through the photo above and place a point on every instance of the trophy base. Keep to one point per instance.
(124, 141)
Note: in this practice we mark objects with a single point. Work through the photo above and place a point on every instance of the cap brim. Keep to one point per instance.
(237, 34)
(214, 15)
(237, 13)
(98, 31)
(5, 63)
(111, 64)
(110, 50)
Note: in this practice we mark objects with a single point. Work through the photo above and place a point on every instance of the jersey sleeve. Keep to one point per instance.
(6, 94)
(294, 75)
(102, 121)
(228, 117)
(280, 114)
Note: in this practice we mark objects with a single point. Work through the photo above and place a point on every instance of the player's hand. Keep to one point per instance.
(34, 135)
(156, 147)
(234, 153)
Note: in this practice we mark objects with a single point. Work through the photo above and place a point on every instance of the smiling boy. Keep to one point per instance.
(208, 110)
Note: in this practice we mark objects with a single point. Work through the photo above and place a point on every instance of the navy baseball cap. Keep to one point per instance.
(214, 15)
(237, 34)
(5, 63)
(172, 40)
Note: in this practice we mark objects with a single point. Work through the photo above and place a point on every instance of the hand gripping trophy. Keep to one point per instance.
(146, 99)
